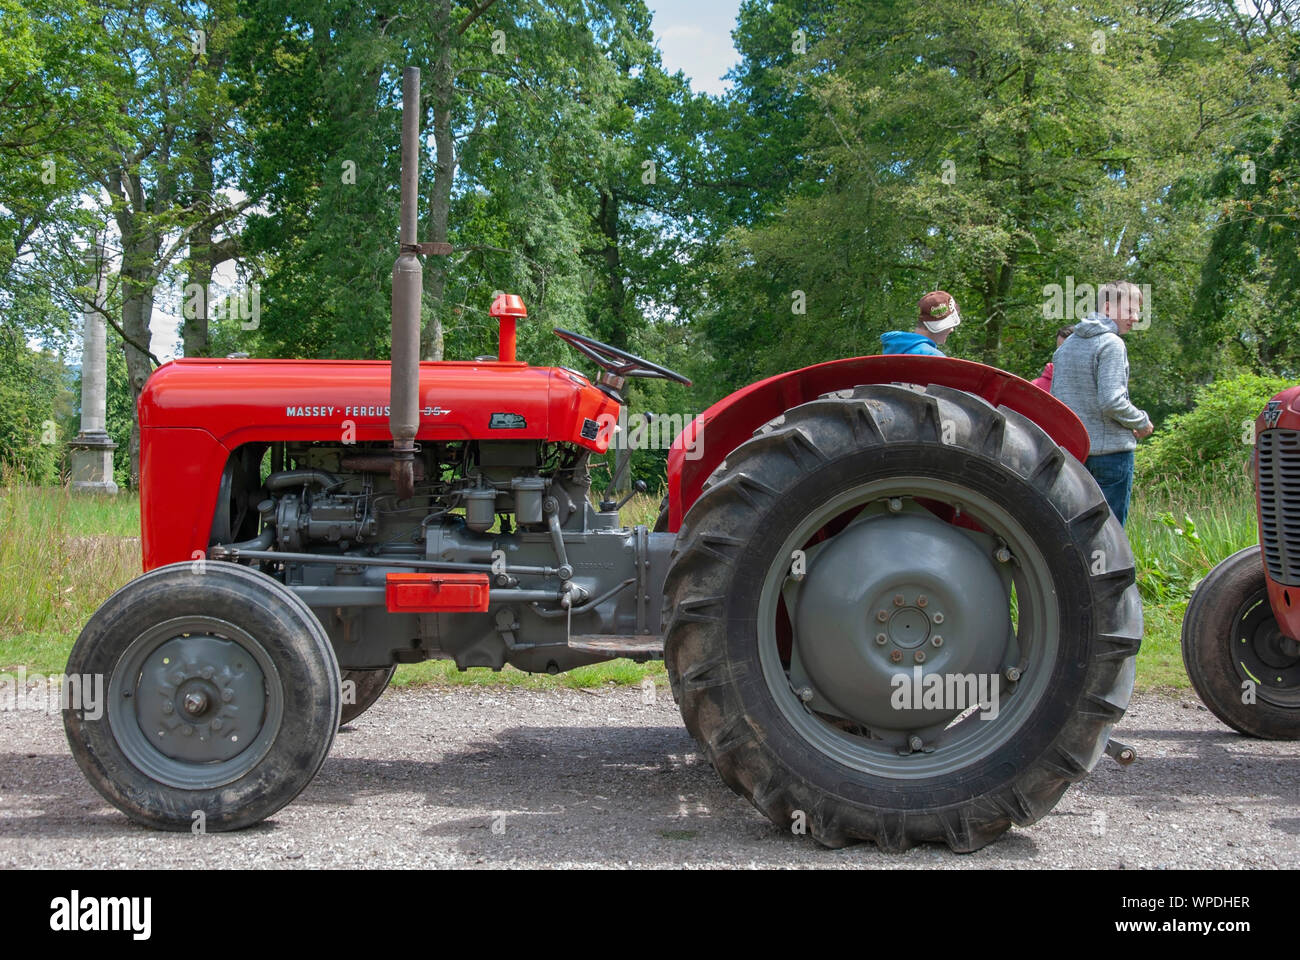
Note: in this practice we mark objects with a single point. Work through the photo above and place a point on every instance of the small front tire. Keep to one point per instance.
(1240, 664)
(221, 697)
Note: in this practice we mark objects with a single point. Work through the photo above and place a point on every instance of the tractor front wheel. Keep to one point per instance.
(221, 697)
(901, 617)
(1240, 663)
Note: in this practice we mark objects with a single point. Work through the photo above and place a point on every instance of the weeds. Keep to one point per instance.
(62, 555)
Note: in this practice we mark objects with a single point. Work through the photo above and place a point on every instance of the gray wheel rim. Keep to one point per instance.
(971, 739)
(198, 674)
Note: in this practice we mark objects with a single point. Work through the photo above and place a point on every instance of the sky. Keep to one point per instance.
(693, 36)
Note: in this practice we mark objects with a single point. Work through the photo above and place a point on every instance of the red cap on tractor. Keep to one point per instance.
(507, 308)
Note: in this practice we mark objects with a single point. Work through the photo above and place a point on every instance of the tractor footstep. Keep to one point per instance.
(1121, 753)
(639, 649)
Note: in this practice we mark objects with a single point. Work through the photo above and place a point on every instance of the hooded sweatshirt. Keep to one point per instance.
(1090, 376)
(904, 341)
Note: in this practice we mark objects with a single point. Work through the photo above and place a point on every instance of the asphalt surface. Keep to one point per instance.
(463, 777)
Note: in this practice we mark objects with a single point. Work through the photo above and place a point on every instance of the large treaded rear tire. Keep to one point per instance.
(1228, 607)
(813, 453)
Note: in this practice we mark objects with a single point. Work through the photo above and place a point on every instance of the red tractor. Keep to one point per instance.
(1241, 625)
(892, 603)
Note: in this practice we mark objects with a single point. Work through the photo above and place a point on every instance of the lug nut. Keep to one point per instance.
(898, 599)
(919, 656)
(922, 600)
(936, 641)
(916, 743)
(1003, 555)
(168, 706)
(937, 617)
(895, 504)
(882, 616)
(805, 694)
(1013, 674)
(881, 638)
(896, 656)
(216, 724)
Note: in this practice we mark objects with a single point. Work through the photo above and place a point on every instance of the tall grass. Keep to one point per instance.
(61, 555)
(1181, 527)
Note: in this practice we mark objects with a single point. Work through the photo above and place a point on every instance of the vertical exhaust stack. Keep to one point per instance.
(408, 291)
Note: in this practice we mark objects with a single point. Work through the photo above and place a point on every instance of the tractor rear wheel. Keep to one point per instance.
(1241, 665)
(901, 617)
(221, 697)
(367, 686)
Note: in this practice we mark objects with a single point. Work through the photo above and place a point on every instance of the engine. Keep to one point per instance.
(500, 556)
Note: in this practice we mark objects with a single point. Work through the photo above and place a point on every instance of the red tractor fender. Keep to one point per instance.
(710, 437)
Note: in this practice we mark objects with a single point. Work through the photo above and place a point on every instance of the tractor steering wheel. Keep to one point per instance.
(617, 361)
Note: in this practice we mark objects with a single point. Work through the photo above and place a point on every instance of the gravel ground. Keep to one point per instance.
(462, 777)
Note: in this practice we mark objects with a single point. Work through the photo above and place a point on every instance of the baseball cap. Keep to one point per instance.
(939, 311)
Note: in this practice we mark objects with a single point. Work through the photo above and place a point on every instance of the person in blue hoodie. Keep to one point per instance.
(938, 318)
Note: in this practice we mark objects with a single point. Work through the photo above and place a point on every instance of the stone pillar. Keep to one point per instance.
(92, 450)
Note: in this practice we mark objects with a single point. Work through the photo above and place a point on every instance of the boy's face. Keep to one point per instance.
(1126, 312)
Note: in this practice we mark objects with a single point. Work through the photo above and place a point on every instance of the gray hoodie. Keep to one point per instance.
(1091, 378)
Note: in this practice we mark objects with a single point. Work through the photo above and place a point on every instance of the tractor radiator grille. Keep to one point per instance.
(1279, 503)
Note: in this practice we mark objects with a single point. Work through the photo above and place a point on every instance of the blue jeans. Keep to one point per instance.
(1114, 474)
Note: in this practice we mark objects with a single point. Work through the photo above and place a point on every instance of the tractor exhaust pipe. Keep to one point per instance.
(408, 291)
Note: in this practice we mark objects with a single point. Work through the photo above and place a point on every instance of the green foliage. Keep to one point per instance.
(865, 153)
(34, 396)
(1216, 434)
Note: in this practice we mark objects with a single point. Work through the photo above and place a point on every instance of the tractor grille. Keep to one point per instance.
(1279, 503)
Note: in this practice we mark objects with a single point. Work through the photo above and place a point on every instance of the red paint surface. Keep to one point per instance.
(194, 412)
(732, 420)
(436, 592)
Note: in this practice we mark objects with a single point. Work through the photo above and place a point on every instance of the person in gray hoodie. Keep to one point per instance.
(1090, 376)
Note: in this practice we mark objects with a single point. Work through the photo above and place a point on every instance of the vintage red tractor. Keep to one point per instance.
(1241, 627)
(892, 603)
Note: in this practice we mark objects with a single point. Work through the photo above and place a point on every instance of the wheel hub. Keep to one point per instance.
(200, 699)
(909, 627)
(889, 595)
(1265, 653)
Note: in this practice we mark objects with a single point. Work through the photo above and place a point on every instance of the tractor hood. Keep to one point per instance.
(242, 401)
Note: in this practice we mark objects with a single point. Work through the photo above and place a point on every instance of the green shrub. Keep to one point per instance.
(34, 398)
(1212, 437)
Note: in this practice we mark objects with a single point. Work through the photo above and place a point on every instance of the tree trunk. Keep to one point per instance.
(137, 308)
(194, 329)
(613, 327)
(140, 247)
(444, 170)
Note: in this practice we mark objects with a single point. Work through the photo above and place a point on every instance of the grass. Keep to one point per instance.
(62, 555)
(1179, 528)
